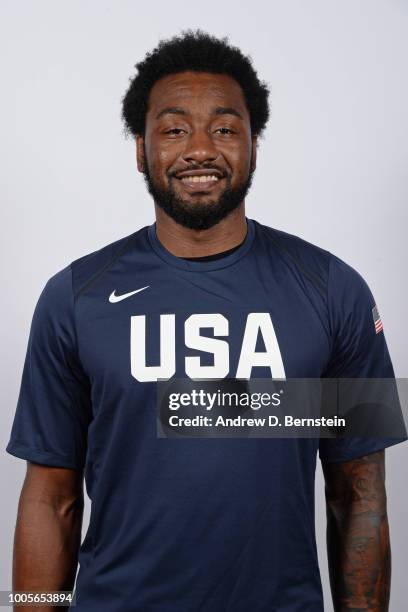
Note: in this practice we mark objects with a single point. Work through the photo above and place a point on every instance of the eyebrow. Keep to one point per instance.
(171, 110)
(227, 110)
(219, 110)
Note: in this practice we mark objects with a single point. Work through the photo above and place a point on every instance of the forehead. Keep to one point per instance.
(187, 89)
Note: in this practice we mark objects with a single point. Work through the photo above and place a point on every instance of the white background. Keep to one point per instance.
(331, 168)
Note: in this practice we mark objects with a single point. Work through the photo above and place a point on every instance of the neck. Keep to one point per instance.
(185, 242)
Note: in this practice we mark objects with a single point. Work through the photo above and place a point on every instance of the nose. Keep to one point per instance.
(199, 148)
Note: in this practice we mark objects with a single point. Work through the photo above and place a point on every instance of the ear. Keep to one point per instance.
(254, 148)
(140, 154)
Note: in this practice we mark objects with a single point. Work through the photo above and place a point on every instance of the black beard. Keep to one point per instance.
(198, 216)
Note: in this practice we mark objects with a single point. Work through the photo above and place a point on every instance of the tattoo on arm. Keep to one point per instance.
(357, 534)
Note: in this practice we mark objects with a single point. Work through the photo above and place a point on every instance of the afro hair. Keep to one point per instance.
(199, 52)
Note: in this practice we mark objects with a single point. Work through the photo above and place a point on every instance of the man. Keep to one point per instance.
(194, 524)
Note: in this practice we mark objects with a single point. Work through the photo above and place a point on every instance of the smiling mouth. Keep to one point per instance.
(204, 182)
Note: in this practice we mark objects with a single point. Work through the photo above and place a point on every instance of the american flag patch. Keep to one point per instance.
(377, 320)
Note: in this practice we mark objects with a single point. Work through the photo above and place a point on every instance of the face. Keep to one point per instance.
(197, 153)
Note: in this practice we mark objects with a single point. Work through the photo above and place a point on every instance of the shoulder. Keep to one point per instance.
(295, 248)
(335, 278)
(306, 261)
(295, 245)
(343, 275)
(89, 267)
(349, 295)
(61, 289)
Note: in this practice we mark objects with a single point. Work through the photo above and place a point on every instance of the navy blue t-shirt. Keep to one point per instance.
(193, 524)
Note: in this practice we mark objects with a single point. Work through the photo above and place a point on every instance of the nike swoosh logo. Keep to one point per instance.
(113, 298)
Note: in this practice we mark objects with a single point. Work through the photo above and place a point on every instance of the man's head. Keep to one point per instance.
(196, 108)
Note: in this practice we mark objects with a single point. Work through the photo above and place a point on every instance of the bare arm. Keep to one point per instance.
(357, 534)
(48, 531)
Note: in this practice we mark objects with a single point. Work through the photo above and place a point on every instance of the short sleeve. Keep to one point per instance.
(359, 350)
(54, 406)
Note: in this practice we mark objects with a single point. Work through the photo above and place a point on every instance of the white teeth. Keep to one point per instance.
(199, 179)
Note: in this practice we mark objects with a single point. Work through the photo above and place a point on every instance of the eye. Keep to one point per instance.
(174, 131)
(224, 130)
